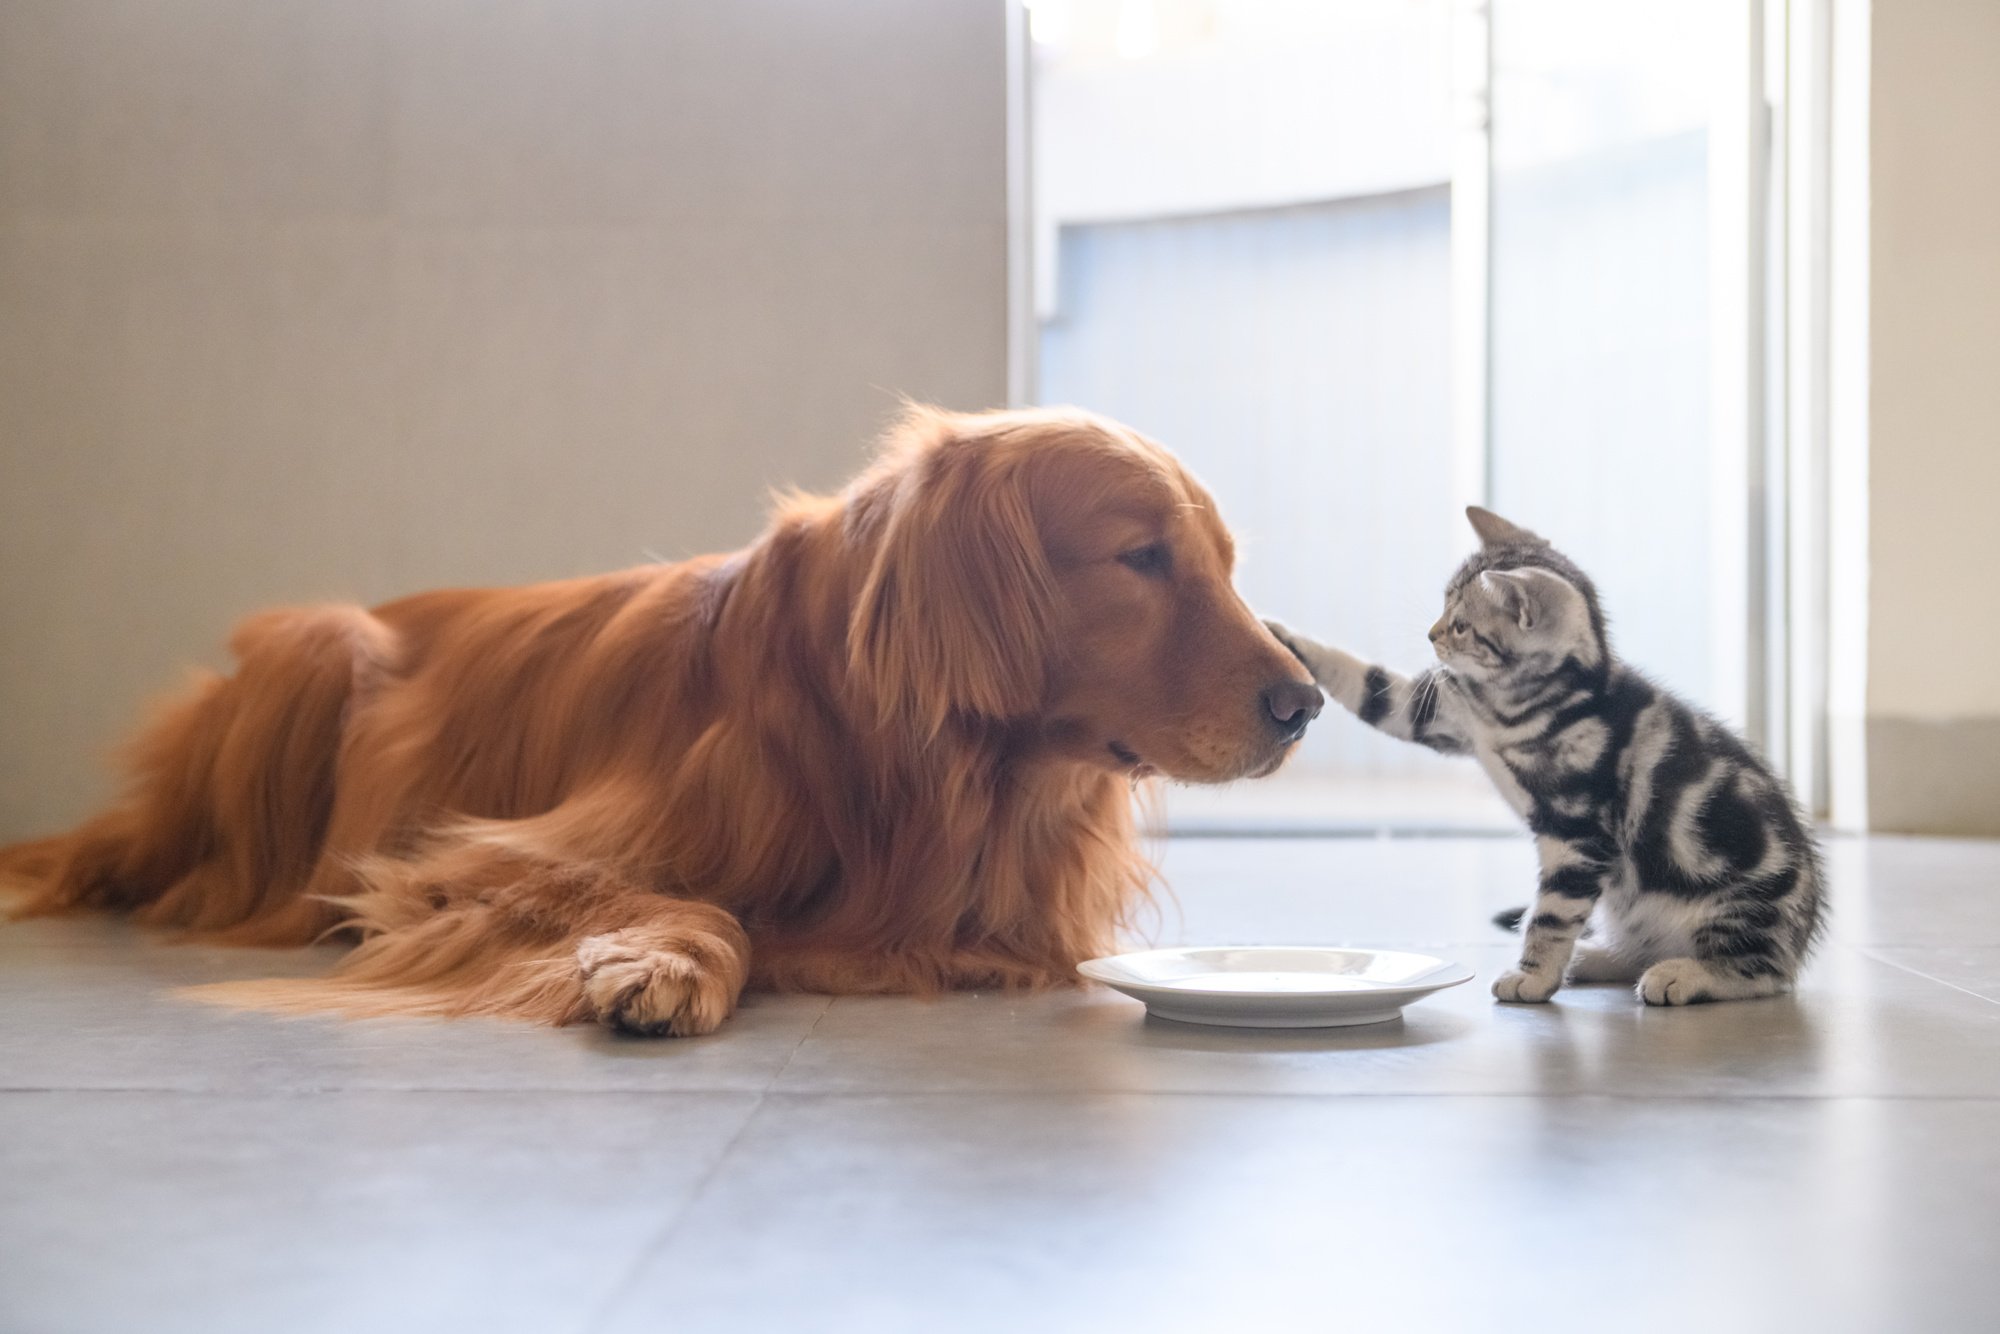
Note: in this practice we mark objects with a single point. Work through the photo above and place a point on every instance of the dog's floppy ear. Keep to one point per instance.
(957, 611)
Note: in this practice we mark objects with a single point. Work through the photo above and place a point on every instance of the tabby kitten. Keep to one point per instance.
(1702, 876)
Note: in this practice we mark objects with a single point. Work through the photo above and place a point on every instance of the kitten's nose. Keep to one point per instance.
(1293, 704)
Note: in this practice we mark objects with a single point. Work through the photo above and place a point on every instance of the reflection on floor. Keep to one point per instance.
(1825, 1161)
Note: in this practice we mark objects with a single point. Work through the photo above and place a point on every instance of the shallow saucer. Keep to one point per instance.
(1275, 986)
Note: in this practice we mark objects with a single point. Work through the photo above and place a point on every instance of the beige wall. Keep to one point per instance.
(1933, 638)
(343, 298)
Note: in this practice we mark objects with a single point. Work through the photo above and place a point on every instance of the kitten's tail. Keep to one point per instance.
(1509, 919)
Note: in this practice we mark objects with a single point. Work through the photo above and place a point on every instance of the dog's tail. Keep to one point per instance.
(1509, 919)
(232, 787)
(24, 866)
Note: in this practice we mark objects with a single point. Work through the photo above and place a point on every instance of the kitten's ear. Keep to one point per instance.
(1514, 594)
(1495, 531)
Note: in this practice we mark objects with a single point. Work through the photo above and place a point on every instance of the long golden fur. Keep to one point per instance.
(887, 747)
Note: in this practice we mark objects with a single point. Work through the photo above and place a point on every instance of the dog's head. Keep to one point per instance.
(1056, 571)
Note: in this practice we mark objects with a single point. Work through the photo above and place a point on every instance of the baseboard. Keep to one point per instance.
(1928, 777)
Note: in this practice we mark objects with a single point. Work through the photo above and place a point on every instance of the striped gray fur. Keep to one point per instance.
(1658, 830)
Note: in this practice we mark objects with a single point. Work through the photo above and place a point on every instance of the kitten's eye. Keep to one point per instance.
(1459, 627)
(1152, 560)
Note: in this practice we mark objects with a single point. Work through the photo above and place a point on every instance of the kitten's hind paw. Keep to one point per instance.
(1675, 982)
(1518, 987)
(1691, 982)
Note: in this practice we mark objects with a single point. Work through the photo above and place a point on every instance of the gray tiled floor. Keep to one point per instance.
(1823, 1161)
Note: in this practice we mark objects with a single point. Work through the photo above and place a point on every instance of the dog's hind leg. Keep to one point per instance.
(231, 789)
(130, 854)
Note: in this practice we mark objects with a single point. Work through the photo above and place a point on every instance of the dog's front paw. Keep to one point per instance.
(1523, 987)
(636, 986)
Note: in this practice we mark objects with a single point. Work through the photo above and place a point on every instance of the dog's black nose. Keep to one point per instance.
(1293, 704)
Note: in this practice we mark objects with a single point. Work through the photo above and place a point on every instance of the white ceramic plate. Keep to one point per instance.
(1276, 986)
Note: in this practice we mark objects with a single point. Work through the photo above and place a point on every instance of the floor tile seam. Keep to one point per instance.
(323, 1090)
(599, 1313)
(804, 1038)
(760, 1097)
(1870, 952)
(1309, 1095)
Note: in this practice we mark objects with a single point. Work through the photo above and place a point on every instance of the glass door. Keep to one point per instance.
(1361, 261)
(1623, 368)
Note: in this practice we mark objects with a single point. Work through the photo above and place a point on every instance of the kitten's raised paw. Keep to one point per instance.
(1284, 635)
(1677, 982)
(1521, 987)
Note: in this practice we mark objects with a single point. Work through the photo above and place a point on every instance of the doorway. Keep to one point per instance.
(1360, 262)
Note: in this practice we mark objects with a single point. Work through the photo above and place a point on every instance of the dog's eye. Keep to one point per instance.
(1153, 560)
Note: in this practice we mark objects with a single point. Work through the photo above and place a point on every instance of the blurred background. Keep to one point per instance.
(340, 301)
(1246, 243)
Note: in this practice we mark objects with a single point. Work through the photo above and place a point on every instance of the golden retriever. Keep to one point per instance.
(888, 747)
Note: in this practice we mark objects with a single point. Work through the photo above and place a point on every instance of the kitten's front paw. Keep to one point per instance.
(1524, 988)
(1285, 635)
